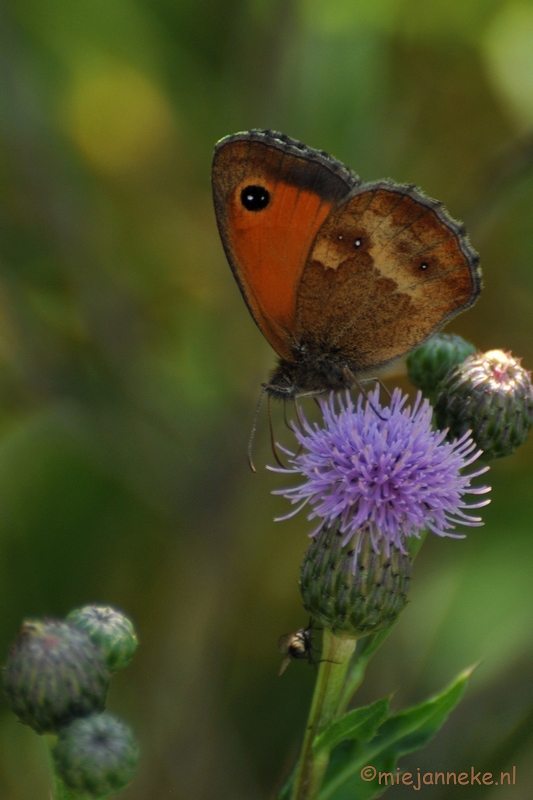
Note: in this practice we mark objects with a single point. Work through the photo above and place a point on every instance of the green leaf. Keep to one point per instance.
(362, 724)
(286, 791)
(402, 733)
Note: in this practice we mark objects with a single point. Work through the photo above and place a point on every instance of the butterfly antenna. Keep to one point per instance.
(272, 440)
(253, 431)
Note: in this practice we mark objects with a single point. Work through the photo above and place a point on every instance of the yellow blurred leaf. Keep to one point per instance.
(508, 48)
(118, 117)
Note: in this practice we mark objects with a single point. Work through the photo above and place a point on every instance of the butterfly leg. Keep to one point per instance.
(272, 439)
(381, 385)
(363, 391)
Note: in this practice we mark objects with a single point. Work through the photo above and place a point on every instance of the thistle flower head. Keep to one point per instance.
(381, 471)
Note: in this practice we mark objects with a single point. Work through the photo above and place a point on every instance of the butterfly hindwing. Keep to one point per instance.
(387, 269)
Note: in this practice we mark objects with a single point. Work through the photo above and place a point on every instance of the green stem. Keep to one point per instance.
(356, 673)
(336, 654)
(60, 791)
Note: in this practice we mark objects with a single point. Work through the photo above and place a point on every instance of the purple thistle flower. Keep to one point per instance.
(382, 471)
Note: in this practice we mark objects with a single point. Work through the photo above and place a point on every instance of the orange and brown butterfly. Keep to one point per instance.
(342, 277)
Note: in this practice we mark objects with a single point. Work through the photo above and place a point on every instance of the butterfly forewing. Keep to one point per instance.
(268, 246)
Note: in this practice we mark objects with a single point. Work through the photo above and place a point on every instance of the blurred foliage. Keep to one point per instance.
(130, 368)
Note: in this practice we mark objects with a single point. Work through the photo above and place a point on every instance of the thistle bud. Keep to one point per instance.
(96, 755)
(353, 602)
(54, 673)
(111, 630)
(491, 395)
(428, 365)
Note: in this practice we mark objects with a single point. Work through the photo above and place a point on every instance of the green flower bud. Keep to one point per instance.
(428, 365)
(54, 673)
(111, 630)
(491, 395)
(96, 755)
(353, 602)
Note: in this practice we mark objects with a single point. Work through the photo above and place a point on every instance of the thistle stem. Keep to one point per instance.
(336, 655)
(60, 791)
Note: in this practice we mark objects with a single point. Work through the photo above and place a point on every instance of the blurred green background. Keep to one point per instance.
(130, 367)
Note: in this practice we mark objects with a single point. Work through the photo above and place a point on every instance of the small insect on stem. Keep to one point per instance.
(297, 645)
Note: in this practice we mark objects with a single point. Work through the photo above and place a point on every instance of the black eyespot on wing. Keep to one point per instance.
(424, 266)
(255, 198)
(358, 242)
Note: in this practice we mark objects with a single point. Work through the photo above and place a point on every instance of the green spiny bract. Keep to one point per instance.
(353, 598)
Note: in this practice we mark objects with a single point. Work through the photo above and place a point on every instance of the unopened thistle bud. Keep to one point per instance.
(491, 395)
(111, 630)
(53, 674)
(96, 755)
(353, 602)
(429, 364)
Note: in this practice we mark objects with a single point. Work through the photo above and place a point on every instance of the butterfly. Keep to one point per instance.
(342, 277)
